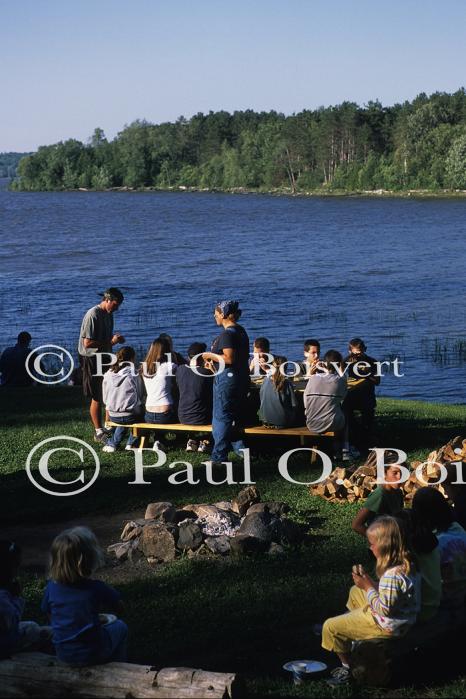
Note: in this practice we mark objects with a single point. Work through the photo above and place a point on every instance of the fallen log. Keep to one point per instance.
(40, 675)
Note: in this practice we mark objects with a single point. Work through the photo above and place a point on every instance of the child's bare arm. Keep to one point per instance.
(358, 523)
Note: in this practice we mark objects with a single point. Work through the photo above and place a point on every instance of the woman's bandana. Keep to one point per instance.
(226, 308)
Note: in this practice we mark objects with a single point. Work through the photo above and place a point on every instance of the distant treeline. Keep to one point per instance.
(414, 145)
(9, 163)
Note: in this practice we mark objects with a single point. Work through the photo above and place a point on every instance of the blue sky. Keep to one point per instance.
(67, 67)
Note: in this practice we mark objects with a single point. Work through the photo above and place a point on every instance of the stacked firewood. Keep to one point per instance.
(356, 483)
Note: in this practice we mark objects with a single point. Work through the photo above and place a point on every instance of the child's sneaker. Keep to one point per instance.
(204, 446)
(101, 437)
(109, 448)
(339, 676)
(131, 447)
(192, 445)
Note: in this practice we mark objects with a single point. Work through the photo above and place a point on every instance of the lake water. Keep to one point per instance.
(388, 270)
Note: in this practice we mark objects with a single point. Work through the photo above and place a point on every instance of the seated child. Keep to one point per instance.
(279, 405)
(261, 348)
(74, 602)
(122, 391)
(424, 545)
(195, 387)
(362, 380)
(386, 499)
(158, 373)
(16, 635)
(323, 396)
(176, 357)
(311, 358)
(376, 610)
(433, 510)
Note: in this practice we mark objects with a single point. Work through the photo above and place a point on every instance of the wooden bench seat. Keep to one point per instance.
(302, 433)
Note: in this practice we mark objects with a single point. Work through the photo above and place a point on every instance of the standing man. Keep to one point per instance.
(97, 336)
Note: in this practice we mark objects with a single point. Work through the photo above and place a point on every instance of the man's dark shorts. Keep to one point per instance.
(92, 384)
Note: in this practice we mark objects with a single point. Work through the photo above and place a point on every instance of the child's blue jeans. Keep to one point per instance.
(119, 432)
(114, 647)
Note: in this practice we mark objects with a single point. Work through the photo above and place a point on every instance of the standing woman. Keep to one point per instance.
(230, 385)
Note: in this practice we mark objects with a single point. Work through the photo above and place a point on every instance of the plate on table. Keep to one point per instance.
(107, 619)
(308, 667)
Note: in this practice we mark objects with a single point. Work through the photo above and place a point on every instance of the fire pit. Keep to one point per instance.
(240, 526)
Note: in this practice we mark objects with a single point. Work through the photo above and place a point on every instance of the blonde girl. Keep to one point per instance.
(385, 609)
(82, 635)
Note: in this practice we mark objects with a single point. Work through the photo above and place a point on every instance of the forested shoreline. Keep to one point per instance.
(9, 163)
(418, 145)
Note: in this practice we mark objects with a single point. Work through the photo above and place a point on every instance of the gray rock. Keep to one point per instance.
(243, 543)
(163, 511)
(223, 505)
(189, 536)
(275, 549)
(245, 498)
(182, 515)
(130, 531)
(120, 550)
(275, 508)
(289, 532)
(134, 552)
(257, 525)
(202, 510)
(158, 541)
(218, 544)
(259, 507)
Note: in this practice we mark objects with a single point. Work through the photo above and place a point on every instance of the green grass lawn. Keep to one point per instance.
(243, 615)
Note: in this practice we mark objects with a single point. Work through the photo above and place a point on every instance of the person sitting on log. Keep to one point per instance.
(16, 635)
(363, 377)
(433, 509)
(385, 499)
(74, 602)
(386, 609)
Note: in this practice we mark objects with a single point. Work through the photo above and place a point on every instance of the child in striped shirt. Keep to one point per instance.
(376, 611)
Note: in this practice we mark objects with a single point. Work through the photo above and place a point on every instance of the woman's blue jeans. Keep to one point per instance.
(160, 418)
(120, 432)
(229, 393)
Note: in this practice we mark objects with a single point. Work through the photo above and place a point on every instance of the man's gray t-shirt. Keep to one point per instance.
(97, 325)
(323, 396)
